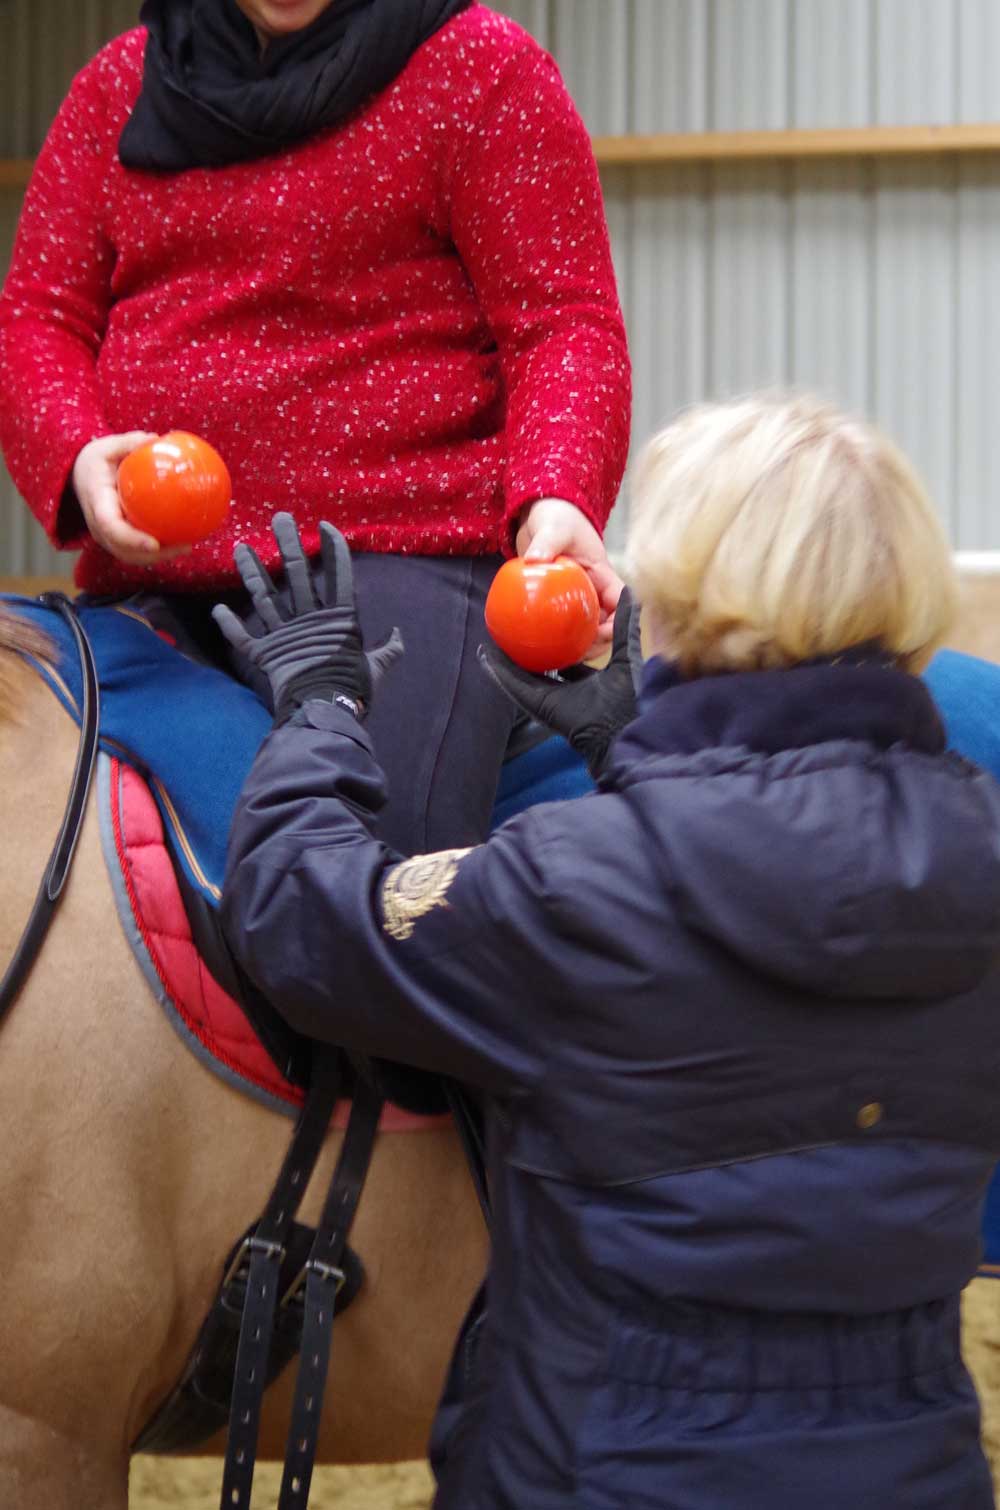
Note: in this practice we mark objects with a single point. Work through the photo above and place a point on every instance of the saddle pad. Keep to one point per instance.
(549, 772)
(155, 922)
(191, 728)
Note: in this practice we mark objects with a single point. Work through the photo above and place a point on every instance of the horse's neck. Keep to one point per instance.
(37, 748)
(18, 685)
(26, 703)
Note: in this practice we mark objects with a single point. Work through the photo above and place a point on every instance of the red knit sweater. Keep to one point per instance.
(407, 324)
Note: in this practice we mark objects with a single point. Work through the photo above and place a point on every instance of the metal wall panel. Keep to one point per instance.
(619, 201)
(876, 283)
(914, 353)
(832, 63)
(591, 39)
(670, 77)
(749, 64)
(830, 281)
(533, 15)
(873, 283)
(43, 43)
(916, 47)
(978, 60)
(668, 296)
(975, 513)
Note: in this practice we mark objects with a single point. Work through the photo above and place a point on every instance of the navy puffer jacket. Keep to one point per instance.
(736, 1022)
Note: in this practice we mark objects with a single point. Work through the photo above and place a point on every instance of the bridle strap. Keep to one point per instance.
(57, 869)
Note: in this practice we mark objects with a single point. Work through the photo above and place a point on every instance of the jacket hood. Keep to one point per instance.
(816, 828)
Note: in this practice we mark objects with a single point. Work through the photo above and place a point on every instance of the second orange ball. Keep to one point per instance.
(543, 614)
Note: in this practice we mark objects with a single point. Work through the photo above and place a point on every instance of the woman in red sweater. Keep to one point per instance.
(359, 246)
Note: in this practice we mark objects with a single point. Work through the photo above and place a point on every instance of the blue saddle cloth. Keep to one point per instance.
(551, 772)
(193, 732)
(967, 692)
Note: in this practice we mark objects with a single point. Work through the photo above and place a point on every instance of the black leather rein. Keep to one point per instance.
(57, 869)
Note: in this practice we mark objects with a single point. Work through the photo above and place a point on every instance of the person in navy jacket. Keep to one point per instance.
(734, 1019)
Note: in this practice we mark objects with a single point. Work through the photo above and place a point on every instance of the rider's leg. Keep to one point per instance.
(440, 725)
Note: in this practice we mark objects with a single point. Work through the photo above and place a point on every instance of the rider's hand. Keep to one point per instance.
(316, 650)
(95, 483)
(552, 527)
(586, 706)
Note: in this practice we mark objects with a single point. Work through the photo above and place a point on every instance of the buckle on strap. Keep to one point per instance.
(240, 1266)
(329, 1273)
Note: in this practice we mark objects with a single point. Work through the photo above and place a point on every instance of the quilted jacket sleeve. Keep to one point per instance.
(439, 961)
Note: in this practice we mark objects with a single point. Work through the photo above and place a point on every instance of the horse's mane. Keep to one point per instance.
(18, 638)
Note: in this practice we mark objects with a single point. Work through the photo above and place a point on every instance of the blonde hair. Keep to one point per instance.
(772, 530)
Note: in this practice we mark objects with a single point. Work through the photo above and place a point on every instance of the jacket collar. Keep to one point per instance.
(861, 695)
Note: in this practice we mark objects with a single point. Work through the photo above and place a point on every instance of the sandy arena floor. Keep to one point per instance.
(193, 1484)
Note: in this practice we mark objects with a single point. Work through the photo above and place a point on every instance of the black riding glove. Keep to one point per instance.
(316, 651)
(588, 707)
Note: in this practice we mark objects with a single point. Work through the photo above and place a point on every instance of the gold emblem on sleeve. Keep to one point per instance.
(415, 887)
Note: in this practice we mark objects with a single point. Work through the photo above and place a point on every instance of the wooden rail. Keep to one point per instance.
(787, 146)
(30, 587)
(14, 172)
(741, 146)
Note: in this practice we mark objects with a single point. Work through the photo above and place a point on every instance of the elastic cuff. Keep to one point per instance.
(315, 686)
(335, 714)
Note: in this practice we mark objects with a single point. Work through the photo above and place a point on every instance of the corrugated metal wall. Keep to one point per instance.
(878, 283)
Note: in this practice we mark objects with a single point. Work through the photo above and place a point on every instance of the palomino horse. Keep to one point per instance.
(129, 1170)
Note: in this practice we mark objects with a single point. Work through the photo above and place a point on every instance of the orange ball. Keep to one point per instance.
(544, 614)
(176, 488)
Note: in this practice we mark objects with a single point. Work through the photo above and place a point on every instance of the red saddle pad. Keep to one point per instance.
(211, 1018)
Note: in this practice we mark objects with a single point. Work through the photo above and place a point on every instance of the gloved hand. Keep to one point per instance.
(588, 707)
(316, 652)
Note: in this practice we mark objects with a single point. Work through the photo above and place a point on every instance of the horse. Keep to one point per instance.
(130, 1169)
